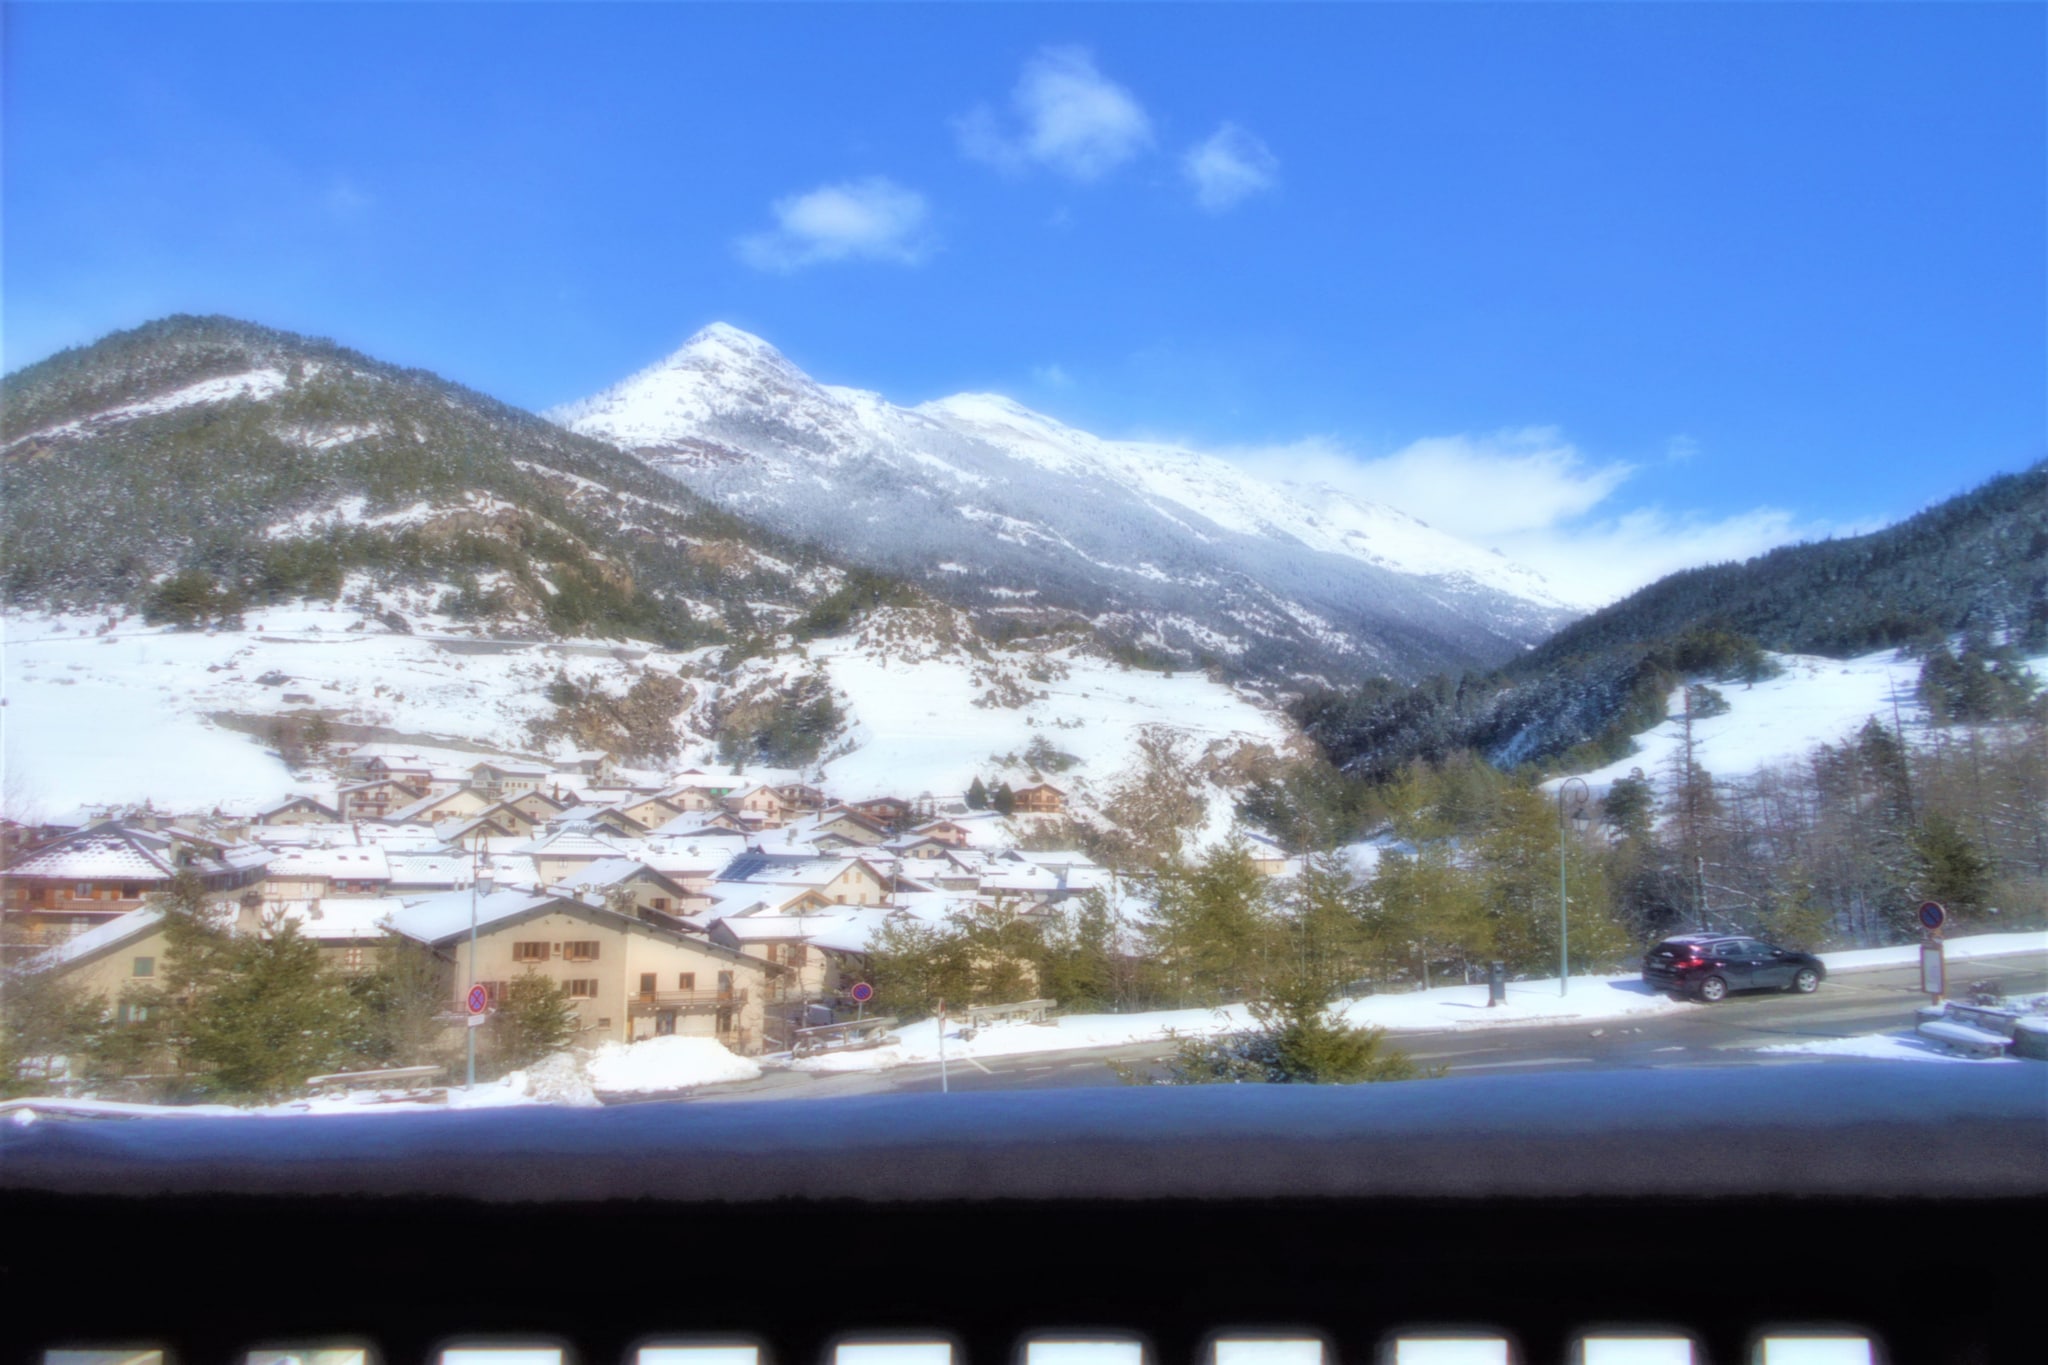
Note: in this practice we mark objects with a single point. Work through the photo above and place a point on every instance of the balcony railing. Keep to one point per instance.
(645, 1003)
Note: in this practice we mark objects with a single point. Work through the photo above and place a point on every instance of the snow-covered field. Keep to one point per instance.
(1815, 701)
(132, 715)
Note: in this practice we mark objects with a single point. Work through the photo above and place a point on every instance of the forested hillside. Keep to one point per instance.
(195, 465)
(1977, 565)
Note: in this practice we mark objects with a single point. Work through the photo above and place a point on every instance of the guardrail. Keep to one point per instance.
(1021, 1012)
(849, 1036)
(400, 1077)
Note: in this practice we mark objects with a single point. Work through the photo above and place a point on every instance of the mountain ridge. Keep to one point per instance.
(1181, 553)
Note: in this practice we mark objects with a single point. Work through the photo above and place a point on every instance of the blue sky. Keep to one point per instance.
(1613, 288)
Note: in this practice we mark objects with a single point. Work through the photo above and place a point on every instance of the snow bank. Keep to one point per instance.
(1895, 1047)
(655, 1065)
(1908, 954)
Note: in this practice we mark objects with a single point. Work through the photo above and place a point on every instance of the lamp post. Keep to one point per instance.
(1563, 915)
(480, 883)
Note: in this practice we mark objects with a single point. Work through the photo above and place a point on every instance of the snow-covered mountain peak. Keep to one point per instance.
(1011, 510)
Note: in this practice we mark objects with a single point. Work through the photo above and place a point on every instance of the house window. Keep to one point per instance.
(725, 1021)
(352, 958)
(82, 891)
(583, 988)
(144, 966)
(725, 983)
(580, 950)
(686, 981)
(529, 952)
(647, 983)
(126, 1013)
(131, 891)
(798, 955)
(661, 902)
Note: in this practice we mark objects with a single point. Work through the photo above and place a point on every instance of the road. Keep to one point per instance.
(1849, 1003)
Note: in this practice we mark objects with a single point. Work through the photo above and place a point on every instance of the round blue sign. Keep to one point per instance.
(479, 999)
(863, 992)
(1932, 915)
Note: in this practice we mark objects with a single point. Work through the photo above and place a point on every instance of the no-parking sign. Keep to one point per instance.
(862, 992)
(1933, 915)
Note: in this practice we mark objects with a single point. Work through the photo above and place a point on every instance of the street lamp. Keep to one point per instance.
(480, 883)
(1563, 918)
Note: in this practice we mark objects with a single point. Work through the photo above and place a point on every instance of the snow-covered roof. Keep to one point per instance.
(115, 852)
(100, 937)
(436, 919)
(513, 767)
(609, 872)
(342, 919)
(575, 843)
(429, 869)
(367, 863)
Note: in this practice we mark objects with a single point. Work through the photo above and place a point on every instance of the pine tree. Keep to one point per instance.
(45, 1025)
(977, 795)
(1003, 800)
(534, 1019)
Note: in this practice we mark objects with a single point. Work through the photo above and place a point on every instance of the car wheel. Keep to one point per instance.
(1713, 990)
(1806, 981)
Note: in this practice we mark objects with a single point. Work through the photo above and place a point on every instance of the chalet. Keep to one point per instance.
(696, 779)
(460, 804)
(558, 857)
(105, 870)
(838, 881)
(112, 960)
(593, 763)
(924, 848)
(849, 827)
(599, 820)
(426, 872)
(304, 874)
(762, 802)
(374, 798)
(473, 832)
(503, 778)
(821, 955)
(1042, 799)
(368, 762)
(694, 799)
(948, 832)
(887, 811)
(351, 932)
(298, 810)
(627, 978)
(650, 889)
(801, 797)
(539, 806)
(649, 812)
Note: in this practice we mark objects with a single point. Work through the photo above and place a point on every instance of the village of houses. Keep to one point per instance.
(705, 905)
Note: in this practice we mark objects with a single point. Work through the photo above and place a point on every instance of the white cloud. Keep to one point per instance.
(1229, 167)
(1053, 376)
(1532, 496)
(874, 219)
(1069, 117)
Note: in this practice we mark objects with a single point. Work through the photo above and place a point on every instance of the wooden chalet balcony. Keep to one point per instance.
(644, 1003)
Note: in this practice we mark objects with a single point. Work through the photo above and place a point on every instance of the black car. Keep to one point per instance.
(1711, 965)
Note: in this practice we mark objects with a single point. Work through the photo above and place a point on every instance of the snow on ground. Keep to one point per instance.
(1907, 954)
(1815, 701)
(920, 729)
(137, 713)
(662, 1064)
(1589, 999)
(1891, 1047)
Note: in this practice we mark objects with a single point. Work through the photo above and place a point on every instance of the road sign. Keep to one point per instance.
(479, 999)
(862, 992)
(1931, 969)
(1932, 914)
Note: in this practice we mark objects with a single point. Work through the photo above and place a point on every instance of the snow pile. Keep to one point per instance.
(658, 1065)
(562, 1078)
(1907, 954)
(1893, 1047)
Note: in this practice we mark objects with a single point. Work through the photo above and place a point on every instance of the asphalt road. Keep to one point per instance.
(1847, 1004)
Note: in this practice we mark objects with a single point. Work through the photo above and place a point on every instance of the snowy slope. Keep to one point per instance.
(1781, 720)
(1008, 509)
(180, 718)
